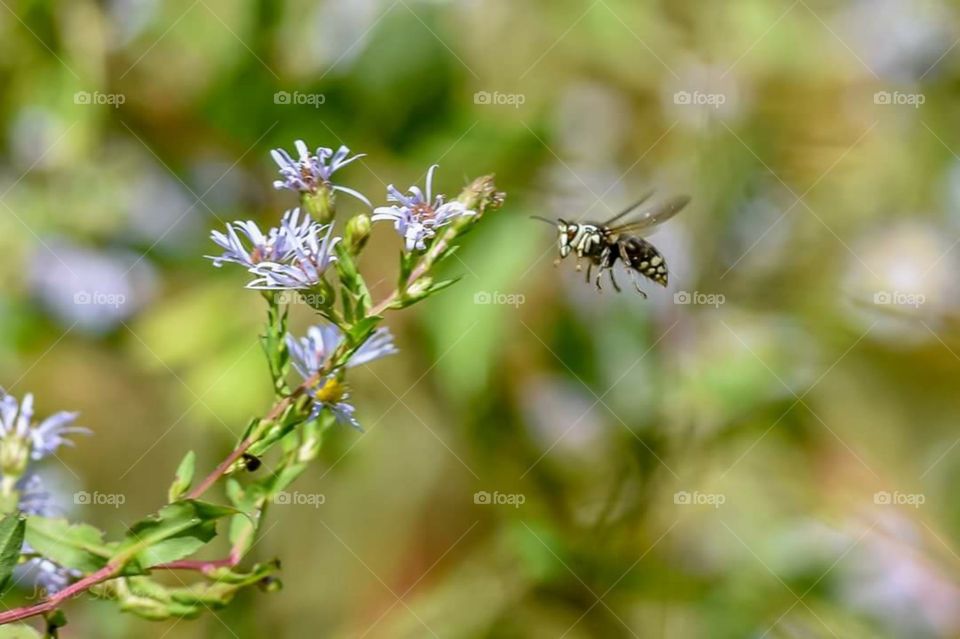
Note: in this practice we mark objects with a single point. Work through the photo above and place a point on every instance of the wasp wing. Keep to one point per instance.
(655, 215)
(616, 217)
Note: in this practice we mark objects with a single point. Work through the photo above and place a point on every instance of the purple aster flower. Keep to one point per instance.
(309, 257)
(34, 497)
(50, 577)
(276, 245)
(16, 423)
(417, 216)
(312, 353)
(310, 173)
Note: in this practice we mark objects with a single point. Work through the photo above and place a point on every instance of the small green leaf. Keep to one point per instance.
(439, 286)
(356, 297)
(19, 631)
(291, 418)
(11, 541)
(176, 531)
(360, 331)
(181, 484)
(243, 527)
(77, 546)
(447, 252)
(274, 343)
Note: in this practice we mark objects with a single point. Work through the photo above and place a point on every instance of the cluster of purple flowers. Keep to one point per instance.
(296, 254)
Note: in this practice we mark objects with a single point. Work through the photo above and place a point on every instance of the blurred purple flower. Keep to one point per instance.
(310, 173)
(16, 421)
(34, 497)
(419, 215)
(90, 289)
(276, 245)
(308, 258)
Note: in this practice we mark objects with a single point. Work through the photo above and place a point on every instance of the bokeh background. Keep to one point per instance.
(766, 448)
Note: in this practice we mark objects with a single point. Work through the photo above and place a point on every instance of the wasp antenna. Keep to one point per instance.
(543, 219)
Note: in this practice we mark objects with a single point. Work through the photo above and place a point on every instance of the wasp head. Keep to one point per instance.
(567, 231)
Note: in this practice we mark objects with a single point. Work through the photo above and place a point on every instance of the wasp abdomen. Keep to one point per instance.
(645, 259)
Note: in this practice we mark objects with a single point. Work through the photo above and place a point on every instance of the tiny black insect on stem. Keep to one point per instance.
(251, 462)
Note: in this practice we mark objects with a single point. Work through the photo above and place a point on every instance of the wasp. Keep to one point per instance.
(603, 244)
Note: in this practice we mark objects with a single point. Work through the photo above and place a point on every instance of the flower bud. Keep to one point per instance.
(482, 195)
(357, 234)
(319, 204)
(320, 296)
(419, 288)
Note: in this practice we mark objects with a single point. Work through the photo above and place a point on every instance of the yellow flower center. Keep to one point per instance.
(330, 391)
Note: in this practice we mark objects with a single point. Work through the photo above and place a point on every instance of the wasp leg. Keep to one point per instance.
(589, 268)
(633, 272)
(597, 279)
(636, 284)
(613, 281)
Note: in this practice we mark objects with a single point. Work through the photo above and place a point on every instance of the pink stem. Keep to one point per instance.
(53, 602)
(238, 452)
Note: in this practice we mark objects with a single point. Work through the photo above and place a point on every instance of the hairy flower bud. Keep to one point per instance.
(482, 195)
(420, 288)
(319, 204)
(357, 234)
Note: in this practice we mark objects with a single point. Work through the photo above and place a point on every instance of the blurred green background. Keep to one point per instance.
(763, 449)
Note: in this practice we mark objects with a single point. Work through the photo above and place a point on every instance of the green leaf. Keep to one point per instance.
(11, 541)
(353, 285)
(19, 631)
(447, 252)
(439, 286)
(407, 263)
(274, 344)
(77, 546)
(249, 500)
(176, 531)
(360, 331)
(422, 289)
(291, 418)
(148, 599)
(181, 484)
